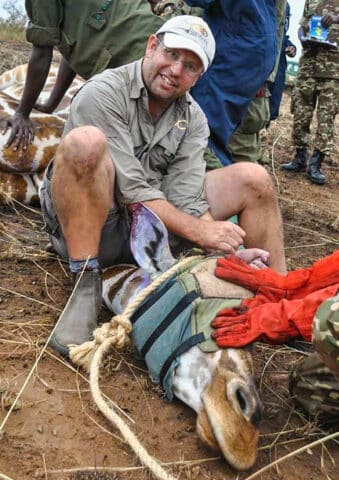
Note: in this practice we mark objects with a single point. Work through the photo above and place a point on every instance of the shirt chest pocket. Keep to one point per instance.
(164, 152)
(170, 143)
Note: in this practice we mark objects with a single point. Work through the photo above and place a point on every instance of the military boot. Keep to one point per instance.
(80, 316)
(313, 171)
(298, 164)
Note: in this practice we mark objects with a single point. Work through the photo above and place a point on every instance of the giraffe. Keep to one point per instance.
(21, 171)
(218, 384)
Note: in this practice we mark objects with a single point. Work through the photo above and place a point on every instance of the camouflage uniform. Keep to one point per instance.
(314, 382)
(317, 83)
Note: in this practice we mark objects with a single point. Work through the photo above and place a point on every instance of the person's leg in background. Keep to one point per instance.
(245, 143)
(326, 113)
(303, 105)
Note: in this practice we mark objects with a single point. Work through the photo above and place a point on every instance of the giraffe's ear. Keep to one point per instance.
(149, 241)
(121, 284)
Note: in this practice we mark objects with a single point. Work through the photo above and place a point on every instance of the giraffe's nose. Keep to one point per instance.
(244, 399)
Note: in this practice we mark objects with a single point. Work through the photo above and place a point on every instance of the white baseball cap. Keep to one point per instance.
(190, 33)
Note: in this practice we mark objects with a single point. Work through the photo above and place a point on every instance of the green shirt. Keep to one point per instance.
(92, 34)
(152, 161)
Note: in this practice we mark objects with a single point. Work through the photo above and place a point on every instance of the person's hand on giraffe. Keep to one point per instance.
(220, 236)
(21, 133)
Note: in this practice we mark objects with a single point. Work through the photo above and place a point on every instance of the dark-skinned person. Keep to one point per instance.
(90, 35)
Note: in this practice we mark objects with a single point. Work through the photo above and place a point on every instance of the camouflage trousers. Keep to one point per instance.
(309, 94)
(314, 381)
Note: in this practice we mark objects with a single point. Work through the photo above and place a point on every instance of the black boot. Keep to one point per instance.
(313, 171)
(80, 316)
(298, 164)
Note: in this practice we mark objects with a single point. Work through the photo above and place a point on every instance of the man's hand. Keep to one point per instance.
(22, 131)
(204, 231)
(255, 257)
(290, 51)
(152, 4)
(218, 236)
(163, 7)
(329, 19)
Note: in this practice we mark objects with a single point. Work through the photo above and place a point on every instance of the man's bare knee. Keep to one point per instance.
(258, 182)
(82, 150)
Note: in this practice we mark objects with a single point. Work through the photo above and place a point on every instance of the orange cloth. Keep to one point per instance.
(271, 322)
(284, 306)
(270, 286)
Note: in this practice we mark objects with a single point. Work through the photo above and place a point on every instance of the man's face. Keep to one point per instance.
(168, 73)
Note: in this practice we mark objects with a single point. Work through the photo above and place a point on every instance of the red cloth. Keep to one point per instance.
(270, 286)
(271, 322)
(284, 306)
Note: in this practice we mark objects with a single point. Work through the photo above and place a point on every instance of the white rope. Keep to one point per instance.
(123, 323)
(4, 477)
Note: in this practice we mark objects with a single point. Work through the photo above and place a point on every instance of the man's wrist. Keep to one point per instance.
(21, 114)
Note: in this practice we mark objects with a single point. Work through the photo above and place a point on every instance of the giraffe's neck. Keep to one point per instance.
(193, 374)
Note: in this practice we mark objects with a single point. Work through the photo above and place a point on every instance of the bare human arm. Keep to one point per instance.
(211, 235)
(64, 79)
(22, 131)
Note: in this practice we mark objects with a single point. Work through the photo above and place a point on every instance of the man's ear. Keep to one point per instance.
(151, 45)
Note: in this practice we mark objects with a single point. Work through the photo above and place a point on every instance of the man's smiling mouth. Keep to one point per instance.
(167, 80)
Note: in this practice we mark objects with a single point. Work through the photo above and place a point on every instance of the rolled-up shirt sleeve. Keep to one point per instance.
(106, 109)
(184, 182)
(45, 16)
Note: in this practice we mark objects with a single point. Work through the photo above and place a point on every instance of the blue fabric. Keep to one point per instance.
(77, 266)
(246, 48)
(277, 87)
(176, 333)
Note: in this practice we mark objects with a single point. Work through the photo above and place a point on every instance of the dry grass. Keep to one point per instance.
(12, 33)
(19, 54)
(21, 239)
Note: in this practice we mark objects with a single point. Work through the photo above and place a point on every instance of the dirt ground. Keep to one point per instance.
(55, 430)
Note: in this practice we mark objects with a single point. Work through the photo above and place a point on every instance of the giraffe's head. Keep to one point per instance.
(231, 409)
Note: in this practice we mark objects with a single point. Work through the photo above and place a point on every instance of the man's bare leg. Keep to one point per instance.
(82, 192)
(82, 189)
(247, 189)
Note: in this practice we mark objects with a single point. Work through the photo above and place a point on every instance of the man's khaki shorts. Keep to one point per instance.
(114, 245)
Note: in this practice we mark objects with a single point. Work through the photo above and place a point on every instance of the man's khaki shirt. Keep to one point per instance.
(152, 161)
